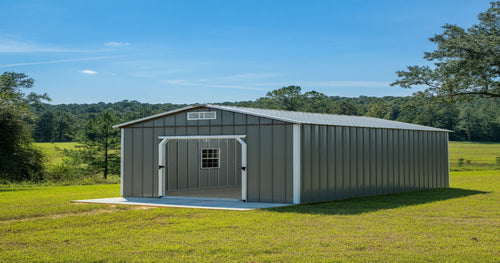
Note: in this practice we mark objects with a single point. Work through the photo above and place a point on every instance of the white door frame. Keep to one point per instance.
(162, 161)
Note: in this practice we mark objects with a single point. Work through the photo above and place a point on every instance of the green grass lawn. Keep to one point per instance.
(461, 223)
(51, 152)
(476, 152)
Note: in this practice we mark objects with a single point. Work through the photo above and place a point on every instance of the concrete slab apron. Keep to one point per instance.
(184, 202)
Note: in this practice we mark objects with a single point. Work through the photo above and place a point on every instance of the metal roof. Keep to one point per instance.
(301, 118)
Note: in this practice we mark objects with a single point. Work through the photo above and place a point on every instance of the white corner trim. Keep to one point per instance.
(162, 165)
(296, 163)
(243, 171)
(122, 160)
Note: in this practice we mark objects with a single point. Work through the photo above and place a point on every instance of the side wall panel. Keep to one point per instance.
(368, 161)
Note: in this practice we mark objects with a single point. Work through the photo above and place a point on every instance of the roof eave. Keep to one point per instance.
(152, 117)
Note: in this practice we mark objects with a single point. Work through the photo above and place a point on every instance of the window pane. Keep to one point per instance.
(210, 158)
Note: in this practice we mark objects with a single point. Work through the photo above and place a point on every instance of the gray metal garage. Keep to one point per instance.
(261, 155)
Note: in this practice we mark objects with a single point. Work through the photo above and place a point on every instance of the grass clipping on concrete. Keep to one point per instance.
(460, 223)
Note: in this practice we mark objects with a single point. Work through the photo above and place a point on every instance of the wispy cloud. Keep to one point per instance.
(197, 83)
(244, 81)
(58, 61)
(242, 77)
(117, 44)
(88, 72)
(13, 46)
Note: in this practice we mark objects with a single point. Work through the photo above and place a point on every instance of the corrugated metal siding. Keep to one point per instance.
(269, 143)
(343, 162)
(183, 164)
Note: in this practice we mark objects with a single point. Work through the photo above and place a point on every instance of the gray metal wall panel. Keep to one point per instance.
(366, 161)
(148, 162)
(353, 162)
(253, 173)
(137, 163)
(306, 164)
(278, 157)
(401, 152)
(180, 123)
(373, 161)
(323, 162)
(390, 161)
(407, 161)
(421, 160)
(193, 164)
(384, 186)
(182, 165)
(128, 151)
(339, 164)
(432, 159)
(224, 165)
(411, 162)
(397, 160)
(279, 165)
(417, 160)
(266, 163)
(439, 160)
(314, 152)
(425, 161)
(171, 169)
(378, 184)
(347, 160)
(231, 159)
(289, 163)
(332, 154)
(360, 162)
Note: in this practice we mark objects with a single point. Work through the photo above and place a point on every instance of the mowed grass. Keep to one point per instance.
(461, 223)
(476, 152)
(53, 151)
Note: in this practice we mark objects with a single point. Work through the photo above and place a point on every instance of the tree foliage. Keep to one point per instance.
(102, 142)
(19, 160)
(466, 61)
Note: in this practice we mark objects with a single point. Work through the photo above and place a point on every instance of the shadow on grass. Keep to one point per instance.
(367, 204)
(15, 189)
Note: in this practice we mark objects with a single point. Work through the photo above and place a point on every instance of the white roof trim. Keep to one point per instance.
(302, 118)
(253, 113)
(201, 137)
(121, 125)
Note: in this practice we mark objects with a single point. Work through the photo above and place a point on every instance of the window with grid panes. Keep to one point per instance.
(210, 158)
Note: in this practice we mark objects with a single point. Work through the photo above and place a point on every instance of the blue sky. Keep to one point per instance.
(215, 51)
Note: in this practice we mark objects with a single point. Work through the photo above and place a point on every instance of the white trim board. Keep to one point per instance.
(296, 163)
(162, 164)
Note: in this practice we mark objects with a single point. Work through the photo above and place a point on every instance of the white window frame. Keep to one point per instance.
(201, 115)
(210, 158)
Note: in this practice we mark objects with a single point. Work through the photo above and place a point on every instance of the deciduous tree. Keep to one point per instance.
(466, 61)
(19, 160)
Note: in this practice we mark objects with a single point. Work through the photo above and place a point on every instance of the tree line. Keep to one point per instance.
(476, 120)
